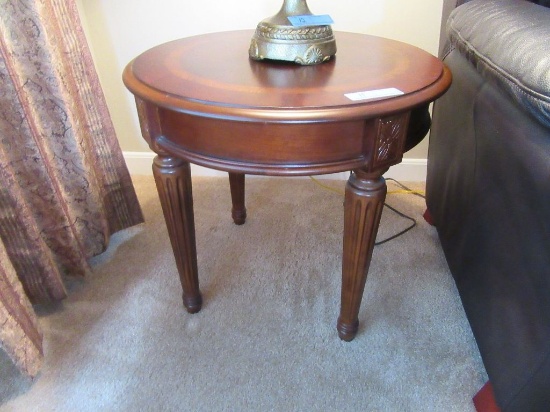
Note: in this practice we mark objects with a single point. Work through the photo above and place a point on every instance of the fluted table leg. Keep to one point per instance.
(173, 179)
(364, 200)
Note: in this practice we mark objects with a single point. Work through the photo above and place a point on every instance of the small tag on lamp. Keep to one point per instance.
(311, 20)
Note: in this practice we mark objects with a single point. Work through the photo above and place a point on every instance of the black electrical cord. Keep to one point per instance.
(399, 233)
(411, 226)
(400, 214)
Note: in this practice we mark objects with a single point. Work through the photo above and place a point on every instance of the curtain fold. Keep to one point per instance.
(65, 187)
(20, 333)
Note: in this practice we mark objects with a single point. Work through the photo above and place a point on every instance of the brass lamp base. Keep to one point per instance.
(276, 39)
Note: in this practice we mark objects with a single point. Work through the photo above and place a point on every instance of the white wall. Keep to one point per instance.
(119, 30)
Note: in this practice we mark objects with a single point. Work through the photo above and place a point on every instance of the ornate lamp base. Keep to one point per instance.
(276, 39)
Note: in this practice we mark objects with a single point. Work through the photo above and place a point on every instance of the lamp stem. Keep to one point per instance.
(295, 8)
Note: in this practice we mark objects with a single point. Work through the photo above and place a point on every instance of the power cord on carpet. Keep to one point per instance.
(404, 190)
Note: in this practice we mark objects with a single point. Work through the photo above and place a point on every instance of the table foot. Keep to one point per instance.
(239, 216)
(364, 201)
(346, 331)
(173, 179)
(192, 304)
(236, 184)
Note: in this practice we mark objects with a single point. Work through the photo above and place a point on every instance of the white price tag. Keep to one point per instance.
(374, 94)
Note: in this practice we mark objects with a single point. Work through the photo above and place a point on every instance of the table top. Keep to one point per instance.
(211, 75)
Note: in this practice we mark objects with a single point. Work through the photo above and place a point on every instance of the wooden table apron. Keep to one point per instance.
(202, 100)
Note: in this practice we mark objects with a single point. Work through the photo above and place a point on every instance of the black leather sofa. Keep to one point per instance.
(488, 187)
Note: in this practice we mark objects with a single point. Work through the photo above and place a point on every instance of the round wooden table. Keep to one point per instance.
(202, 100)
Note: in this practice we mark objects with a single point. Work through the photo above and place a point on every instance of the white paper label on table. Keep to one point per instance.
(374, 94)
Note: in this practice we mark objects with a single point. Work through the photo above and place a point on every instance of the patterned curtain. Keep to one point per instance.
(64, 185)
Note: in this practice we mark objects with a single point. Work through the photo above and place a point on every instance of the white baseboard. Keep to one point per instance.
(409, 170)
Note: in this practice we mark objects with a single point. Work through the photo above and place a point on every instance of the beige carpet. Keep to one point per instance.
(265, 339)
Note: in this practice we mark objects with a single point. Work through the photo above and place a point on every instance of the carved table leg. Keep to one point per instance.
(236, 184)
(365, 194)
(173, 179)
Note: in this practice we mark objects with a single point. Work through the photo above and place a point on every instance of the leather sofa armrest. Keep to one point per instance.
(448, 7)
(507, 41)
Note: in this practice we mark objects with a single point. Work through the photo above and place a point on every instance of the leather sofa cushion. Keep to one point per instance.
(508, 42)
